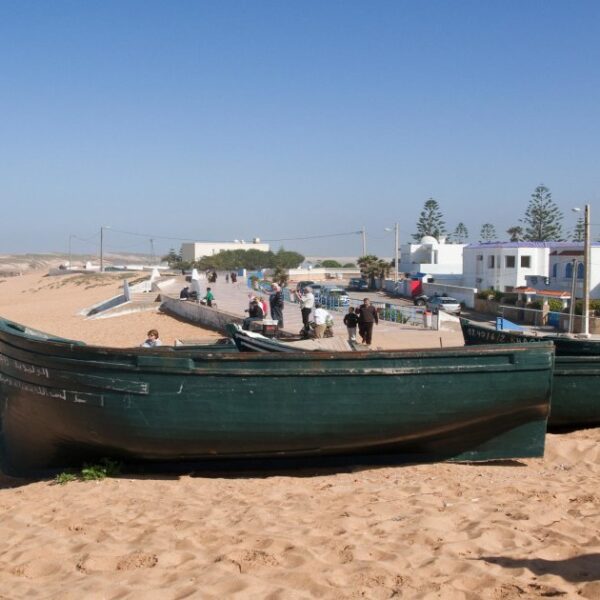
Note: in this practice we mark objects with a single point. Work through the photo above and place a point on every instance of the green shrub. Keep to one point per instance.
(106, 468)
(555, 305)
(536, 304)
(64, 478)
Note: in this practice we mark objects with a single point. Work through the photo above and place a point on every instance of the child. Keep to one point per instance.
(351, 321)
(153, 340)
(209, 297)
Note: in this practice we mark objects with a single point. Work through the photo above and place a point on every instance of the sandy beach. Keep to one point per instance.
(517, 529)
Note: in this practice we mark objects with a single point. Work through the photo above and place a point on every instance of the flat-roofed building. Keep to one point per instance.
(191, 251)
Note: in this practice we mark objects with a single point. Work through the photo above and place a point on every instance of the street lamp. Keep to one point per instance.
(395, 250)
(102, 228)
(587, 252)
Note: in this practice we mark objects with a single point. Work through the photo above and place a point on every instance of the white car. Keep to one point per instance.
(445, 303)
(334, 296)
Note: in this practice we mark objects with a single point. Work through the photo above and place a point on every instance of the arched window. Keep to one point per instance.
(569, 270)
(580, 271)
(555, 270)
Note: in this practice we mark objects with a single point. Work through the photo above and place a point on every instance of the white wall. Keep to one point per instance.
(478, 273)
(191, 251)
(432, 258)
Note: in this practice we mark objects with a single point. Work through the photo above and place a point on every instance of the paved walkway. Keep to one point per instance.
(234, 298)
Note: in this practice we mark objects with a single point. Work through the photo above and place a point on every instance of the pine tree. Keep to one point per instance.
(430, 221)
(516, 233)
(488, 233)
(543, 219)
(461, 233)
(578, 232)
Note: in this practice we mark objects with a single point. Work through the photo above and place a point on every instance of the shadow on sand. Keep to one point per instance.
(585, 567)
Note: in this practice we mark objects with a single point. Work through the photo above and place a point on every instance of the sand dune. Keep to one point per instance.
(526, 529)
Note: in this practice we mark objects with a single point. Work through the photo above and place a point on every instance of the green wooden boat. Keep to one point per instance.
(63, 402)
(576, 387)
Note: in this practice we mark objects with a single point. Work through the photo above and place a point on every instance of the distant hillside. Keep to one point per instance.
(11, 264)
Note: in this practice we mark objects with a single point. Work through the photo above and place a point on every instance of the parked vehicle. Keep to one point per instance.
(420, 300)
(334, 296)
(357, 284)
(302, 284)
(445, 303)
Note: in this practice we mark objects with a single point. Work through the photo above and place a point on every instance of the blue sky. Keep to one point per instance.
(229, 120)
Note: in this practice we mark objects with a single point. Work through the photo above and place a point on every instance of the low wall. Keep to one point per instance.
(199, 314)
(105, 305)
(464, 295)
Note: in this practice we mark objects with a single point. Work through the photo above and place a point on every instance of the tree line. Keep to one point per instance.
(542, 222)
(233, 260)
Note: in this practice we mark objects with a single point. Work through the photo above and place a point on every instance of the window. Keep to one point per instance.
(555, 270)
(491, 261)
(580, 270)
(508, 288)
(509, 262)
(569, 270)
(526, 262)
(480, 257)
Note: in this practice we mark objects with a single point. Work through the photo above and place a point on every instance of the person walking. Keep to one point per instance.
(307, 303)
(351, 321)
(276, 304)
(367, 317)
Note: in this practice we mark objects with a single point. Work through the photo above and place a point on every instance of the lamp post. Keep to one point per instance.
(102, 228)
(587, 253)
(396, 247)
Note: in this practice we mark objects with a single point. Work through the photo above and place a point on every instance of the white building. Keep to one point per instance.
(432, 257)
(566, 260)
(191, 251)
(504, 266)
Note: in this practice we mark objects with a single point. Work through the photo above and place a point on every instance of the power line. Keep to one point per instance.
(163, 237)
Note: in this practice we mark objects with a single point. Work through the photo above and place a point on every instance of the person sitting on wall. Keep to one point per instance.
(255, 313)
(152, 341)
(209, 298)
(184, 294)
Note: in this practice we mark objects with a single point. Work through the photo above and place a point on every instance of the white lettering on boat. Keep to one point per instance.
(24, 367)
(60, 394)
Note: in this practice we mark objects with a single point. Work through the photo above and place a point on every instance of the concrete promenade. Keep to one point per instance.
(234, 298)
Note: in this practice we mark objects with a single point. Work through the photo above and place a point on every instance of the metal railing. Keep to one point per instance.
(411, 315)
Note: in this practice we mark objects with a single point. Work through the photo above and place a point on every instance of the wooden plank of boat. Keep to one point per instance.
(576, 386)
(62, 403)
(250, 341)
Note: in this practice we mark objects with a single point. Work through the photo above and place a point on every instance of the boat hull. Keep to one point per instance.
(576, 386)
(63, 404)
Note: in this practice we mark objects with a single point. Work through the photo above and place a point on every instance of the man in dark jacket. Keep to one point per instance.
(367, 316)
(276, 304)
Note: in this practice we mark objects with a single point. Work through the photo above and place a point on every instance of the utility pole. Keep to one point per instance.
(396, 254)
(101, 249)
(364, 241)
(102, 228)
(152, 251)
(587, 255)
(70, 238)
(573, 293)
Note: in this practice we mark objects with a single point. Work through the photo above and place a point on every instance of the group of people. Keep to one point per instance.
(231, 277)
(187, 294)
(360, 320)
(363, 318)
